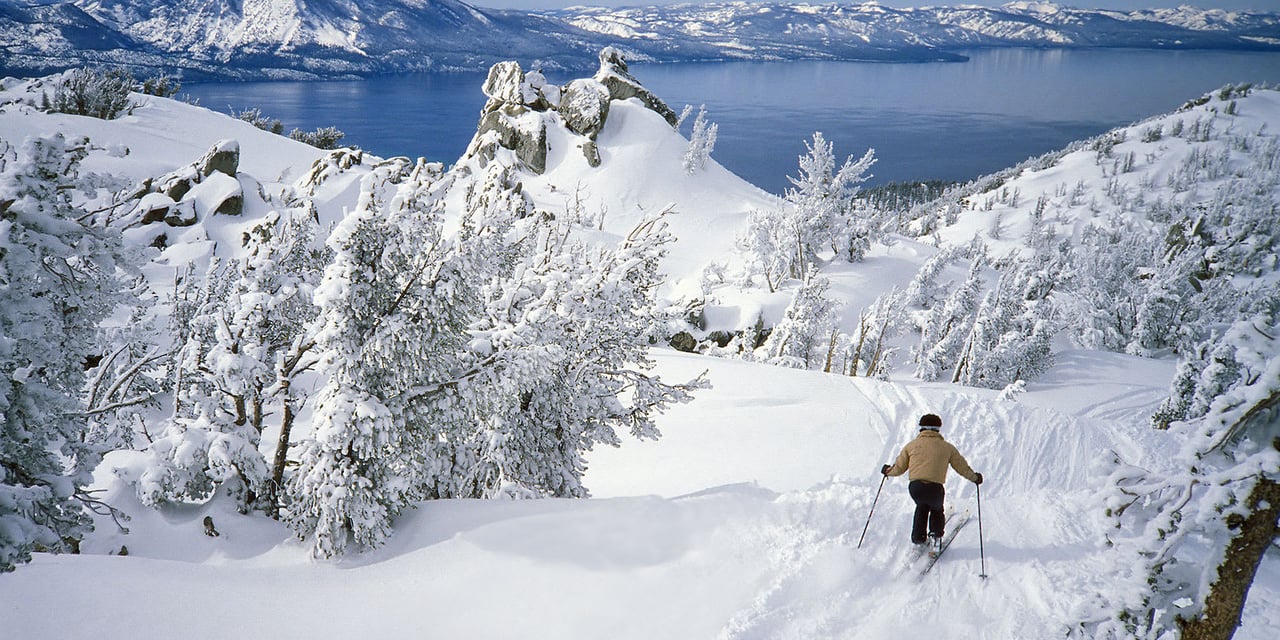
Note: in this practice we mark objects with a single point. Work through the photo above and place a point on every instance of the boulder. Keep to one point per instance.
(182, 214)
(504, 85)
(590, 152)
(516, 128)
(223, 158)
(684, 341)
(584, 105)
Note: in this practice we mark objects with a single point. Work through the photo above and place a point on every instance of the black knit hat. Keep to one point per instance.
(930, 421)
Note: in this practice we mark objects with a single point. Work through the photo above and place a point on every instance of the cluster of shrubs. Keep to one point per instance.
(104, 93)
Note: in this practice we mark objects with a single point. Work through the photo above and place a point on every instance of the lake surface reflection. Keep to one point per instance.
(952, 121)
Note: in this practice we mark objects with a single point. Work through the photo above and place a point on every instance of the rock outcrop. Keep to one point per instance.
(522, 105)
(622, 85)
(206, 187)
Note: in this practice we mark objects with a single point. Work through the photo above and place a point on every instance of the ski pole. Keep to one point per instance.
(873, 510)
(982, 554)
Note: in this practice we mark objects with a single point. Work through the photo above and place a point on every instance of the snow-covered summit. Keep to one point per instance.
(604, 151)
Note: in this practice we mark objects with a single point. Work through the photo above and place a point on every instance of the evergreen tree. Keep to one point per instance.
(1010, 338)
(924, 290)
(389, 323)
(766, 240)
(564, 338)
(823, 201)
(702, 141)
(802, 337)
(947, 328)
(869, 349)
(240, 346)
(95, 93)
(820, 215)
(58, 282)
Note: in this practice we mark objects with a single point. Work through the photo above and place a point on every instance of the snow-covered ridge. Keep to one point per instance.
(843, 31)
(290, 38)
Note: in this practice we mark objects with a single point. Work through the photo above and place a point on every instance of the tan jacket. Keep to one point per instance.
(927, 458)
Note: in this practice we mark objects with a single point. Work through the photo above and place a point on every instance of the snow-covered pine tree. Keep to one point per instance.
(1010, 338)
(766, 241)
(802, 337)
(1108, 268)
(389, 322)
(274, 307)
(702, 141)
(1201, 525)
(58, 281)
(924, 290)
(822, 201)
(210, 438)
(869, 347)
(819, 215)
(947, 328)
(564, 339)
(242, 344)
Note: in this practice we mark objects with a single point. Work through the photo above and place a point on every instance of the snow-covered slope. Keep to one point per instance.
(741, 523)
(288, 38)
(1186, 162)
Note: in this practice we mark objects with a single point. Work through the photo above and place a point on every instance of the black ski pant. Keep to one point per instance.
(928, 497)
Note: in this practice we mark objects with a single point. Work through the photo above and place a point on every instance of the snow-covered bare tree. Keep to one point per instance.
(58, 282)
(1196, 529)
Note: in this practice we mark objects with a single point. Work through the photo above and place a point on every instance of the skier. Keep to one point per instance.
(926, 459)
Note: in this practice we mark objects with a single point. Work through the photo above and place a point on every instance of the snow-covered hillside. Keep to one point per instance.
(742, 522)
(743, 519)
(288, 38)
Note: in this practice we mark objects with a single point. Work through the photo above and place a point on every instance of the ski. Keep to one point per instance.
(952, 530)
(919, 551)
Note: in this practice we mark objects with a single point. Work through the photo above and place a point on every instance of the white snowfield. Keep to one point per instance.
(742, 522)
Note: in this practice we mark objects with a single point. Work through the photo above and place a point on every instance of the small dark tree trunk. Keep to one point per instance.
(281, 458)
(1254, 535)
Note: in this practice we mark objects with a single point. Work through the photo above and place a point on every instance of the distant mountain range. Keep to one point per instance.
(333, 38)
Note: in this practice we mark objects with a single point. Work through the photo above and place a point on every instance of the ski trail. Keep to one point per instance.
(1040, 524)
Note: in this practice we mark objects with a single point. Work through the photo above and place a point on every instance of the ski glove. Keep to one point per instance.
(978, 478)
(884, 471)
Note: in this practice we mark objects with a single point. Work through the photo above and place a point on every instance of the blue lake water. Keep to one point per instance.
(952, 121)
